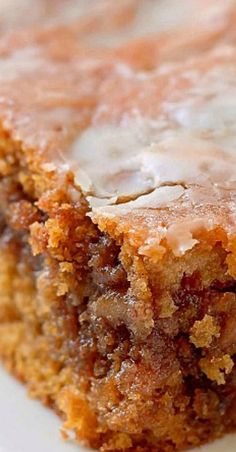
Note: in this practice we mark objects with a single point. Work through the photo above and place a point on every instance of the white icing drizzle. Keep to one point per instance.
(156, 16)
(192, 143)
(117, 150)
(161, 197)
(17, 13)
(18, 62)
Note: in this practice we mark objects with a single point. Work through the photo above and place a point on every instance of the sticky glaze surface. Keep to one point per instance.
(134, 138)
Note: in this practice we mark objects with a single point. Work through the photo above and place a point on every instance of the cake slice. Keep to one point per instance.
(117, 245)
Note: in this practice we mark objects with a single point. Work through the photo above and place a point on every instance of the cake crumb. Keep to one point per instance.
(203, 331)
(216, 368)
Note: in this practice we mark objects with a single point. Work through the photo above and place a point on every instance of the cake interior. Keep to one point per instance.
(132, 355)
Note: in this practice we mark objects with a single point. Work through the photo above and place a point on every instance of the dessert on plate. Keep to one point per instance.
(118, 226)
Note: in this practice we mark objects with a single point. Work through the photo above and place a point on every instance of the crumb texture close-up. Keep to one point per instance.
(118, 216)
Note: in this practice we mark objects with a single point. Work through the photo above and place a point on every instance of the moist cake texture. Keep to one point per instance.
(118, 225)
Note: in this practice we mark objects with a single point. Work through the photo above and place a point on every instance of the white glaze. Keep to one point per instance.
(192, 141)
(156, 16)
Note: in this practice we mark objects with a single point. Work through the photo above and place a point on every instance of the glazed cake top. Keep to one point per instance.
(139, 142)
(109, 24)
(133, 18)
(17, 14)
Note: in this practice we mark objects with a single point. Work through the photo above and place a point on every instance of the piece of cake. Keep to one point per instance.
(118, 235)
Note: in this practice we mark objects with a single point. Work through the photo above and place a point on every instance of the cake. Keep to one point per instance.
(118, 226)
(18, 14)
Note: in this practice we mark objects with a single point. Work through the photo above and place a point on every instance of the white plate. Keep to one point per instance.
(26, 426)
